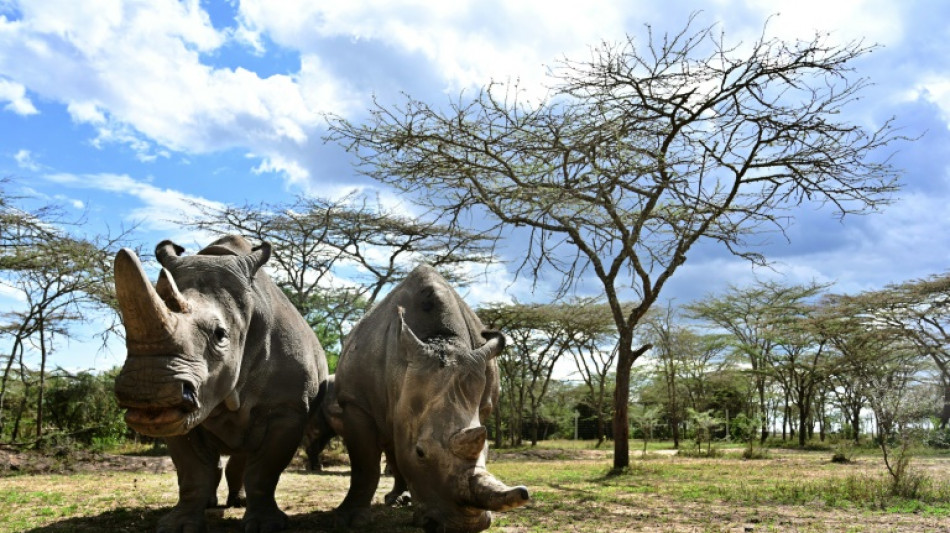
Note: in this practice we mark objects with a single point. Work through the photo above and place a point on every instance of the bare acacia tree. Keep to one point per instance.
(636, 154)
(334, 257)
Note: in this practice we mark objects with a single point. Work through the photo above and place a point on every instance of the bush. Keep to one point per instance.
(843, 452)
(939, 438)
(755, 452)
(84, 407)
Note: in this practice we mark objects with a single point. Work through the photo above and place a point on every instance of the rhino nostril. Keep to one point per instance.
(189, 395)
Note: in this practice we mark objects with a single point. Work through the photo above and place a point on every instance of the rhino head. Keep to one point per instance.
(186, 334)
(440, 443)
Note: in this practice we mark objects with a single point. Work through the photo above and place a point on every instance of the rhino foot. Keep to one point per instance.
(398, 499)
(356, 518)
(237, 499)
(265, 522)
(179, 521)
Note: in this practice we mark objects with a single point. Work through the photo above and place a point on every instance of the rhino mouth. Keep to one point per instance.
(163, 418)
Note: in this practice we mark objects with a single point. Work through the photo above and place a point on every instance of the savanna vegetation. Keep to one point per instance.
(764, 399)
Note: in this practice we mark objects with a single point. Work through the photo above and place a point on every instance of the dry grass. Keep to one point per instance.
(571, 491)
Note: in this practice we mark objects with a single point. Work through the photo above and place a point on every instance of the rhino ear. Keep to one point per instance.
(469, 443)
(407, 339)
(256, 259)
(167, 253)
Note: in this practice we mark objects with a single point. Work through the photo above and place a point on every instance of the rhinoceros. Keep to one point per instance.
(219, 363)
(325, 423)
(416, 378)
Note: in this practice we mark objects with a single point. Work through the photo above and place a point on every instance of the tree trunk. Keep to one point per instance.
(856, 425)
(626, 356)
(534, 430)
(39, 401)
(945, 413)
(19, 416)
(497, 417)
(763, 410)
(675, 429)
(621, 402)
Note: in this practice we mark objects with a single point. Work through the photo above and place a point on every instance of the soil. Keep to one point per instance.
(15, 461)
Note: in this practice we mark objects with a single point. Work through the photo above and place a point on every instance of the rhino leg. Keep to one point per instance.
(198, 468)
(284, 432)
(235, 478)
(362, 443)
(399, 496)
(320, 435)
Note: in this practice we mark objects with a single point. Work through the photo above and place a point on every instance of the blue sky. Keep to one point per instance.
(128, 109)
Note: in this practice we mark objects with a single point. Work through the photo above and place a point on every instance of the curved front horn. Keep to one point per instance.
(493, 495)
(148, 321)
(495, 343)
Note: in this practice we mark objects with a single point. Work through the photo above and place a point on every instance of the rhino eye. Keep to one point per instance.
(420, 453)
(220, 335)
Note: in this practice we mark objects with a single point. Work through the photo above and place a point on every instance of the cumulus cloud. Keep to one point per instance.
(24, 159)
(14, 95)
(874, 21)
(466, 43)
(137, 72)
(159, 208)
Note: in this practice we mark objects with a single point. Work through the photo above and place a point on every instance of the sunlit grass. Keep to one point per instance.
(572, 489)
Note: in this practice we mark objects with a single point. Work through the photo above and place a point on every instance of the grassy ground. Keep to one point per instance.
(571, 491)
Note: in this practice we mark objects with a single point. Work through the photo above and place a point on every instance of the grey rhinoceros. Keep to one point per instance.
(219, 363)
(416, 378)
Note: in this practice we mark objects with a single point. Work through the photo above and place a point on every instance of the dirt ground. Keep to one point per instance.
(105, 492)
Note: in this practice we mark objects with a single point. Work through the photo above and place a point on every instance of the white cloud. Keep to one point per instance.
(934, 88)
(24, 159)
(160, 209)
(466, 42)
(15, 96)
(136, 72)
(874, 21)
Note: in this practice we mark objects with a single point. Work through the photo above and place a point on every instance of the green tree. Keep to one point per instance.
(538, 333)
(749, 314)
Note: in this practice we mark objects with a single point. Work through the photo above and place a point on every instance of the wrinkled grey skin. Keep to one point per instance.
(421, 402)
(219, 363)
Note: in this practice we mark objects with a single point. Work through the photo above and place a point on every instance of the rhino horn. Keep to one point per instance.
(469, 443)
(147, 319)
(168, 290)
(490, 494)
(410, 343)
(495, 343)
